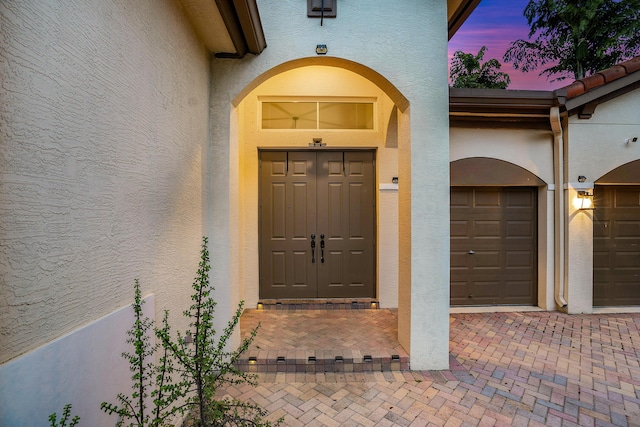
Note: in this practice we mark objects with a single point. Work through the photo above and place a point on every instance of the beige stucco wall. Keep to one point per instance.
(103, 114)
(404, 41)
(595, 146)
(530, 149)
(317, 83)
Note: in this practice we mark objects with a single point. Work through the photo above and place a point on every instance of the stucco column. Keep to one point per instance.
(222, 209)
(579, 252)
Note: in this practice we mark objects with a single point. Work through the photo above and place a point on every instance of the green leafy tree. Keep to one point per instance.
(467, 71)
(577, 38)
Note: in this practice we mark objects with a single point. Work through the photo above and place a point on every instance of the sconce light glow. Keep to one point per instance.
(583, 200)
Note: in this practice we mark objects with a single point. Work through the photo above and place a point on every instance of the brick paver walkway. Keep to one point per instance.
(508, 369)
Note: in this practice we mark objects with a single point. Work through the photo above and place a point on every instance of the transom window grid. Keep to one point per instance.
(314, 115)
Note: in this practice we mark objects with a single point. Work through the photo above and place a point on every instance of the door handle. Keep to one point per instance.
(313, 248)
(322, 248)
(471, 252)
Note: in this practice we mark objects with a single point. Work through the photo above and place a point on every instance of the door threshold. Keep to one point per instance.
(319, 304)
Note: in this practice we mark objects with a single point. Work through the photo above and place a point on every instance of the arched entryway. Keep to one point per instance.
(336, 84)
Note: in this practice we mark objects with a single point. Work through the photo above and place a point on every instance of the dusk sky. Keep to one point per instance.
(495, 24)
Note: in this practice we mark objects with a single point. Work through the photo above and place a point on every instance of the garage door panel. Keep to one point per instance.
(487, 289)
(460, 199)
(459, 260)
(487, 198)
(627, 260)
(616, 246)
(601, 229)
(484, 229)
(519, 200)
(600, 260)
(486, 260)
(495, 260)
(519, 259)
(460, 292)
(518, 288)
(519, 229)
(627, 198)
(627, 229)
(460, 229)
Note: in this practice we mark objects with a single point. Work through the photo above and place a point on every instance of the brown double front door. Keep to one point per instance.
(317, 224)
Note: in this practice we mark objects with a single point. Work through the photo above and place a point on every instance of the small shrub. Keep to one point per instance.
(66, 413)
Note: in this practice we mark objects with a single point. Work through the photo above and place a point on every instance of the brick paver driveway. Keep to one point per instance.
(507, 369)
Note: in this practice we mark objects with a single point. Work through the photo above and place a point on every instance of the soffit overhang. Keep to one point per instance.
(500, 107)
(228, 28)
(457, 13)
(232, 28)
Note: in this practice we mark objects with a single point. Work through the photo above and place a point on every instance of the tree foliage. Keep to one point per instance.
(467, 71)
(577, 38)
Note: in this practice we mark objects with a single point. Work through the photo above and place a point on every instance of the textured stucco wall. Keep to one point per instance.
(405, 41)
(595, 147)
(528, 148)
(103, 119)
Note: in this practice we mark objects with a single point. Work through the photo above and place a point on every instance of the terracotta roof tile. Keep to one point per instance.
(575, 89)
(613, 73)
(603, 77)
(593, 81)
(632, 65)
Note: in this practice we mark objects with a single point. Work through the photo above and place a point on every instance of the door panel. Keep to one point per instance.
(329, 194)
(288, 217)
(346, 218)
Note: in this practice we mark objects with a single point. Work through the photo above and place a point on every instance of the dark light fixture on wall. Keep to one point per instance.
(321, 9)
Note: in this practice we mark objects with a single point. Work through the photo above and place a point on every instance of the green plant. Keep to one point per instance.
(205, 362)
(148, 379)
(200, 360)
(66, 413)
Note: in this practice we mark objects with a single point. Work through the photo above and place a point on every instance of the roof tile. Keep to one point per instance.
(575, 89)
(592, 81)
(631, 65)
(613, 73)
(603, 77)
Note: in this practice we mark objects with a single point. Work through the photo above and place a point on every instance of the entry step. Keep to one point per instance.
(310, 361)
(319, 304)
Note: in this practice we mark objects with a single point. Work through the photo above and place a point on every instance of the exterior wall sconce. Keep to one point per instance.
(584, 201)
(321, 9)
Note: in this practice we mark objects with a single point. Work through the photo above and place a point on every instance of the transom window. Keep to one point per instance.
(318, 115)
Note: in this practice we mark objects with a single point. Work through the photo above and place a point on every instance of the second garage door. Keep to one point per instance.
(493, 246)
(616, 246)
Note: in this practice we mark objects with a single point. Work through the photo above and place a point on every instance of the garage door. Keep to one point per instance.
(493, 246)
(616, 246)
